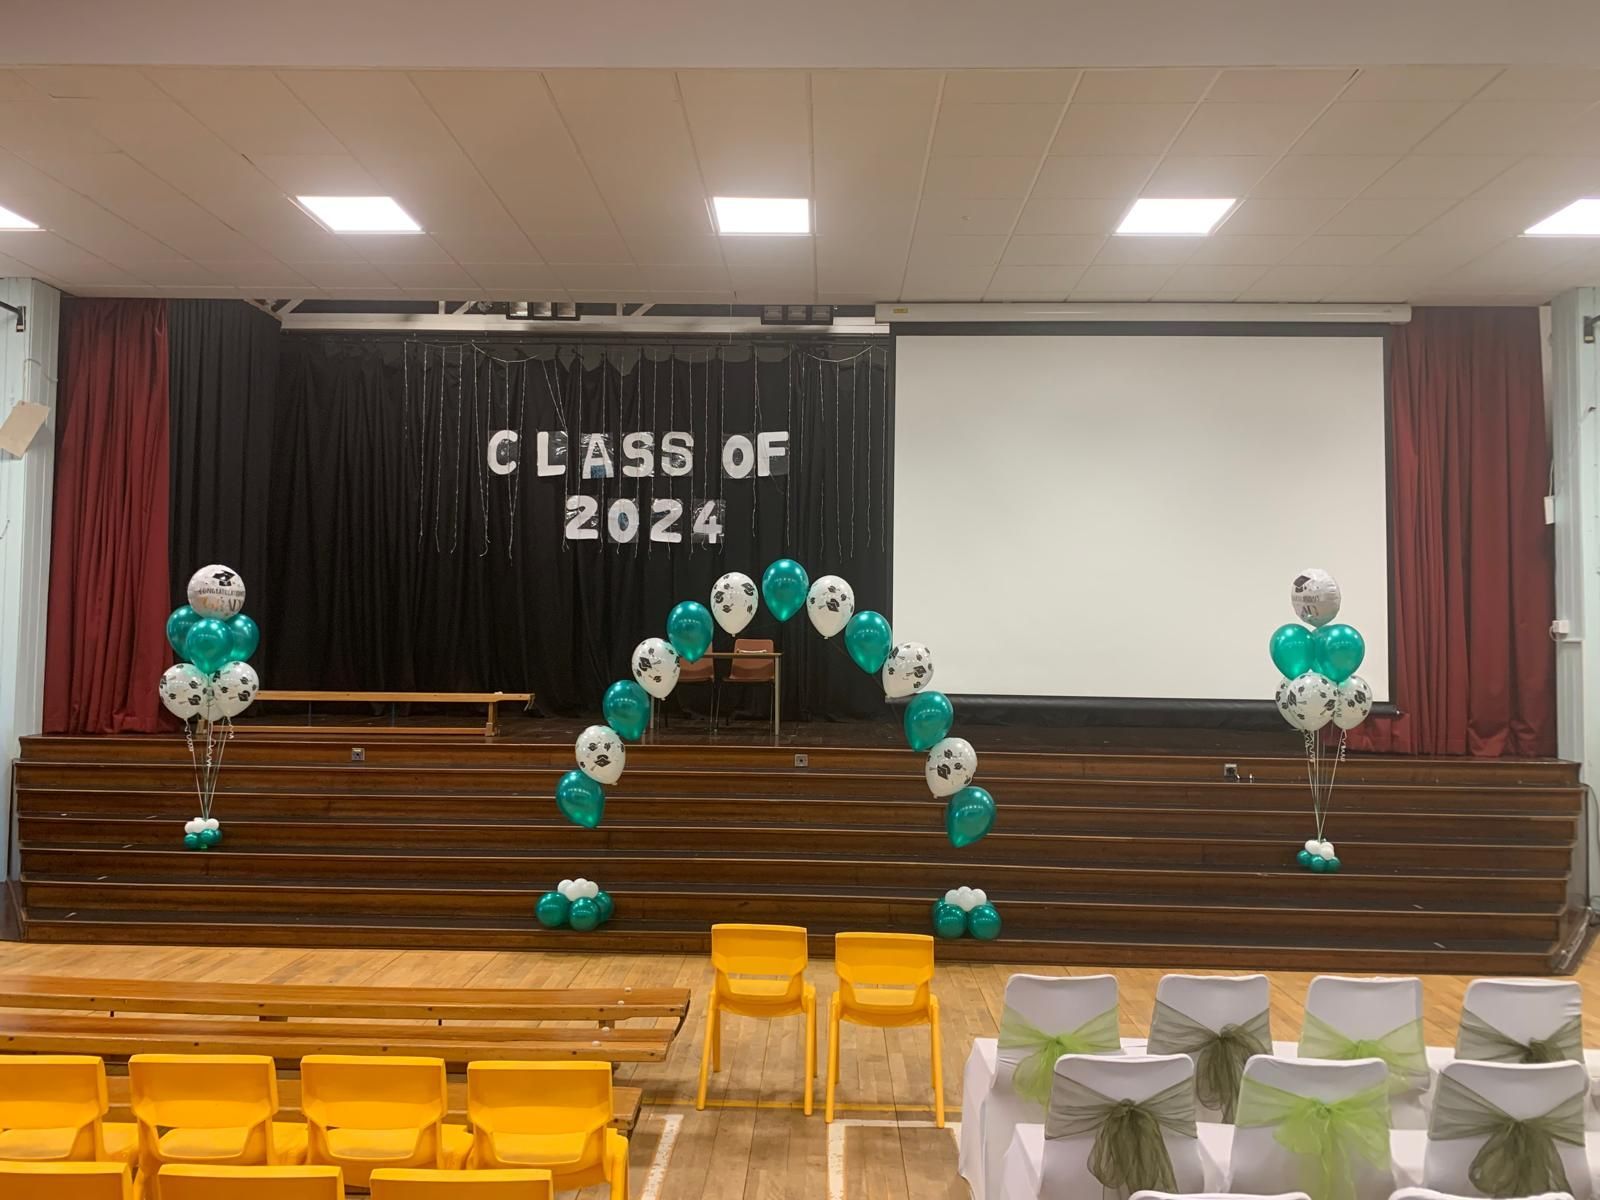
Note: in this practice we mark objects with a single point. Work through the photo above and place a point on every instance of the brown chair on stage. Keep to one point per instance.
(758, 671)
(703, 671)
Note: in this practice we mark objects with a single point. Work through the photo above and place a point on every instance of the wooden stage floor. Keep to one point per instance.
(751, 1143)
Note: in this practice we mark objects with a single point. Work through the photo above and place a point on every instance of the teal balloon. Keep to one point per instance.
(191, 841)
(627, 709)
(178, 626)
(606, 905)
(968, 816)
(580, 799)
(784, 586)
(1333, 865)
(216, 836)
(246, 637)
(208, 838)
(1290, 647)
(1304, 858)
(869, 639)
(552, 910)
(948, 920)
(207, 645)
(983, 923)
(1339, 650)
(584, 916)
(689, 629)
(928, 719)
(1318, 863)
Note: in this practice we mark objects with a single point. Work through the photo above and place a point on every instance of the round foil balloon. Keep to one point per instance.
(1315, 596)
(830, 603)
(600, 754)
(1353, 701)
(235, 687)
(950, 767)
(909, 669)
(733, 601)
(1308, 702)
(216, 591)
(183, 691)
(655, 667)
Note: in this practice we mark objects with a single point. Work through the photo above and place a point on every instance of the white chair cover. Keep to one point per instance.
(1521, 1091)
(1260, 1165)
(1371, 1009)
(1215, 1001)
(1040, 1168)
(990, 1108)
(1216, 1196)
(1422, 1193)
(1524, 1010)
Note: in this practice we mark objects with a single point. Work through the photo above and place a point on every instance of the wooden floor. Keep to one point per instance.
(751, 1143)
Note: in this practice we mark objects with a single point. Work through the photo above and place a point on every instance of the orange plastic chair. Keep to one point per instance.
(883, 982)
(209, 1109)
(760, 973)
(365, 1111)
(66, 1181)
(551, 1116)
(391, 1183)
(189, 1182)
(52, 1109)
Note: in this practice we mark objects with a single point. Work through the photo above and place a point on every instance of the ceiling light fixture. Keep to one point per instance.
(761, 215)
(1173, 218)
(1581, 218)
(359, 214)
(11, 220)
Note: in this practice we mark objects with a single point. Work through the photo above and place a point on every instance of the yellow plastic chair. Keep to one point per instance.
(52, 1109)
(185, 1181)
(551, 1116)
(883, 982)
(760, 973)
(66, 1181)
(364, 1111)
(393, 1183)
(209, 1109)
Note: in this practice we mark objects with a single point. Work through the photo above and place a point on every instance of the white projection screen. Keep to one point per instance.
(1092, 515)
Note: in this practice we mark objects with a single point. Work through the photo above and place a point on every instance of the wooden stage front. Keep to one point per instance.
(1111, 847)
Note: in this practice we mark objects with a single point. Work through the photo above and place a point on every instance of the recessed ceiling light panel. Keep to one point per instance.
(762, 215)
(1174, 218)
(359, 214)
(11, 220)
(1581, 218)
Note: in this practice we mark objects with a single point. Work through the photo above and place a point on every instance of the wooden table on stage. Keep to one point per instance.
(490, 700)
(777, 676)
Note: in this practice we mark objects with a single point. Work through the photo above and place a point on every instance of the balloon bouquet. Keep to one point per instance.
(1320, 685)
(214, 684)
(905, 670)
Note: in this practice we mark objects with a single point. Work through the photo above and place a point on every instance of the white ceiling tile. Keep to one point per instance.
(1370, 127)
(14, 86)
(1147, 251)
(505, 244)
(1479, 298)
(60, 259)
(1220, 281)
(751, 129)
(1434, 253)
(994, 87)
(1032, 282)
(382, 248)
(1507, 128)
(1274, 85)
(42, 128)
(1052, 250)
(252, 110)
(1544, 83)
(1073, 214)
(687, 279)
(667, 296)
(858, 280)
(615, 279)
(901, 104)
(983, 176)
(1118, 278)
(1244, 250)
(316, 174)
(1103, 295)
(1323, 174)
(1303, 282)
(535, 277)
(1418, 83)
(1560, 179)
(172, 272)
(1438, 175)
(1002, 130)
(1244, 128)
(1120, 175)
(341, 274)
(1341, 251)
(444, 279)
(946, 281)
(90, 83)
(967, 214)
(1366, 214)
(785, 253)
(764, 286)
(1119, 128)
(203, 292)
(27, 190)
(1155, 85)
(564, 248)
(1377, 285)
(937, 250)
(1201, 176)
(1300, 215)
(665, 250)
(1522, 257)
(125, 289)
(377, 293)
(256, 273)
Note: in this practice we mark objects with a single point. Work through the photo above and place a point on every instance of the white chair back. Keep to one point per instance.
(1521, 1090)
(1053, 1004)
(1065, 1174)
(1364, 1008)
(1216, 1196)
(1216, 1000)
(1422, 1193)
(1524, 1009)
(1259, 1165)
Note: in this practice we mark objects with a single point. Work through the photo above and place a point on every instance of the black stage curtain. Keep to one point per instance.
(223, 366)
(399, 557)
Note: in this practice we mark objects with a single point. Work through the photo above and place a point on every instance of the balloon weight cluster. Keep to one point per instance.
(575, 904)
(964, 911)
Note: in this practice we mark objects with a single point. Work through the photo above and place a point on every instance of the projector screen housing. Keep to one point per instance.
(1118, 512)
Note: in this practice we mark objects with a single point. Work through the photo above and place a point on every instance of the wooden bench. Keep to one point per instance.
(491, 701)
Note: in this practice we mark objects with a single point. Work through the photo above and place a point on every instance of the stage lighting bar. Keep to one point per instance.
(797, 314)
(541, 310)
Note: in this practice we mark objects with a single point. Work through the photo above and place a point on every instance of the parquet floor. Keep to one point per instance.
(751, 1143)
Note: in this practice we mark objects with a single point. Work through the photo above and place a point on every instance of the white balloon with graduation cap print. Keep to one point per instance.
(909, 669)
(733, 601)
(1352, 702)
(655, 667)
(830, 604)
(600, 754)
(1308, 701)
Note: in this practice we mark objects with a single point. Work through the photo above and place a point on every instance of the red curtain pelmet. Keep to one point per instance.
(1471, 560)
(105, 644)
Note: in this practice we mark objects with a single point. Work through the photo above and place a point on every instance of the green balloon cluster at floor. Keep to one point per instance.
(1316, 864)
(206, 839)
(951, 921)
(585, 914)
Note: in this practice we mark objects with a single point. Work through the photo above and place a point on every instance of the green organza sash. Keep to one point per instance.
(1482, 1042)
(1031, 1079)
(1129, 1151)
(1519, 1157)
(1219, 1055)
(1402, 1049)
(1326, 1136)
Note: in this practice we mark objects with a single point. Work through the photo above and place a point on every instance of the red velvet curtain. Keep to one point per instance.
(1471, 560)
(105, 641)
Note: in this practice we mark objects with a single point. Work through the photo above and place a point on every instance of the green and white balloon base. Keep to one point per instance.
(965, 911)
(202, 833)
(1318, 857)
(577, 904)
